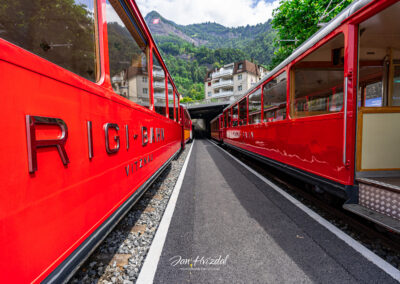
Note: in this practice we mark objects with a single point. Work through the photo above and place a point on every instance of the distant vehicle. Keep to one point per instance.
(330, 113)
(91, 120)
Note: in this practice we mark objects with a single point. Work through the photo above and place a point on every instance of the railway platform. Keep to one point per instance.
(230, 226)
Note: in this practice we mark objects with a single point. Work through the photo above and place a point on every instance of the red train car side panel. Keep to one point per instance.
(45, 214)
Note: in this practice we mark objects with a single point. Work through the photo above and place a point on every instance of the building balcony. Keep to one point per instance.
(222, 94)
(117, 79)
(223, 83)
(158, 74)
(159, 85)
(222, 72)
(161, 95)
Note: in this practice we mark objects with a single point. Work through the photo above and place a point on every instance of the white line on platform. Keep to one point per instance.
(150, 264)
(367, 253)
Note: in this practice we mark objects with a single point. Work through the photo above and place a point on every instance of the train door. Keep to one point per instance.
(378, 111)
(378, 128)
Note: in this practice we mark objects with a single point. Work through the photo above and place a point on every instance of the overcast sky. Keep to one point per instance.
(231, 13)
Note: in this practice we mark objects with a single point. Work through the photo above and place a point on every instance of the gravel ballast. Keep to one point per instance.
(120, 256)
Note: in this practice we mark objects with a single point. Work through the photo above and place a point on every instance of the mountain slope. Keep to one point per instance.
(189, 51)
(211, 35)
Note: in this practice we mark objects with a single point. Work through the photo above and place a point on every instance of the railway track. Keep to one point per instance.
(384, 243)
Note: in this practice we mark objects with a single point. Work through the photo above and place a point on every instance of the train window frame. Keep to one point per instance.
(254, 92)
(225, 113)
(287, 100)
(169, 83)
(50, 64)
(235, 123)
(243, 121)
(292, 84)
(154, 52)
(230, 117)
(130, 23)
(176, 101)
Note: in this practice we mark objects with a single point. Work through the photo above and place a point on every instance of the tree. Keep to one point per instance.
(186, 100)
(298, 20)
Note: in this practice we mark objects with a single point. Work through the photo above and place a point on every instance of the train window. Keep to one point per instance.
(226, 119)
(395, 101)
(243, 112)
(128, 56)
(170, 100)
(177, 106)
(235, 115)
(61, 32)
(370, 92)
(274, 96)
(159, 86)
(229, 117)
(318, 81)
(255, 107)
(379, 59)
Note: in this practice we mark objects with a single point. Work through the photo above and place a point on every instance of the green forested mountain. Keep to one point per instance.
(192, 49)
(188, 63)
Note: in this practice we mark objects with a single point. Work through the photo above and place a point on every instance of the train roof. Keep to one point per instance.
(315, 38)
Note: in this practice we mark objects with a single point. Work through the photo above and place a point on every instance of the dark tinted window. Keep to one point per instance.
(235, 115)
(243, 112)
(128, 58)
(61, 31)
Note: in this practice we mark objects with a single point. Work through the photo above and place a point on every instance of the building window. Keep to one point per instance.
(239, 77)
(240, 88)
(209, 94)
(240, 65)
(145, 91)
(144, 79)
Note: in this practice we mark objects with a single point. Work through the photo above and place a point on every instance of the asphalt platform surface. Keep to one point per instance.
(230, 227)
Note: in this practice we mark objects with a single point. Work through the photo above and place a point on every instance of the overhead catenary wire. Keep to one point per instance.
(327, 14)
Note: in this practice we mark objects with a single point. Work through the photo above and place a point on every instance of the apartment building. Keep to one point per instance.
(232, 80)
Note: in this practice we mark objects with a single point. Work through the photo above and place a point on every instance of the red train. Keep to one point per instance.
(330, 113)
(187, 131)
(92, 118)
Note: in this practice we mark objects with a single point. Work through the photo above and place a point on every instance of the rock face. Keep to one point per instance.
(160, 26)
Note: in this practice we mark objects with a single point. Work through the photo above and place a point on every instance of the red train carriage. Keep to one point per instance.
(216, 126)
(92, 118)
(330, 113)
(187, 133)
